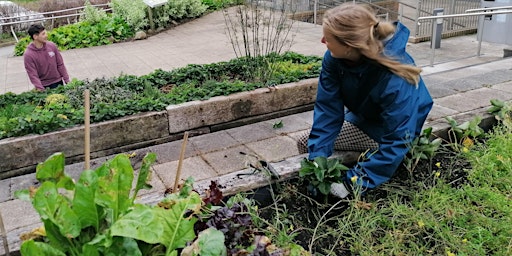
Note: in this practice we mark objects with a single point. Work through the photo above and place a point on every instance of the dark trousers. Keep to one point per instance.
(54, 85)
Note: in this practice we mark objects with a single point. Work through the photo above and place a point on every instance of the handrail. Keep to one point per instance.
(489, 8)
(52, 12)
(45, 18)
(463, 15)
(479, 29)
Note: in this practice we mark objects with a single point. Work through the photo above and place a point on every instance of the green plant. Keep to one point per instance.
(421, 148)
(465, 133)
(93, 14)
(502, 111)
(132, 11)
(98, 215)
(322, 172)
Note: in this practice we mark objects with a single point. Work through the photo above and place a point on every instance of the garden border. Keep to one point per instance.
(22, 154)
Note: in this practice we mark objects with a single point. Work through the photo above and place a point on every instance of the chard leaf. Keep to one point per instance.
(30, 247)
(123, 246)
(114, 187)
(53, 170)
(178, 230)
(144, 174)
(142, 223)
(83, 202)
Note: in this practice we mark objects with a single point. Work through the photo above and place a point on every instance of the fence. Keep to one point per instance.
(20, 22)
(410, 11)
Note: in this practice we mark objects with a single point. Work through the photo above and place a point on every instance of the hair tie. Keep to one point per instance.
(376, 25)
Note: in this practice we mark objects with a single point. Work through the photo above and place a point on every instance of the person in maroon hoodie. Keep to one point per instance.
(43, 62)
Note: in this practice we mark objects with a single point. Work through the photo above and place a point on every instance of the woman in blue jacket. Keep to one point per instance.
(370, 96)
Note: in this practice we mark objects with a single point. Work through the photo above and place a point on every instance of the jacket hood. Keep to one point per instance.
(395, 47)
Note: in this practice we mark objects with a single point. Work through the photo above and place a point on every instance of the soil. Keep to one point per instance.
(303, 209)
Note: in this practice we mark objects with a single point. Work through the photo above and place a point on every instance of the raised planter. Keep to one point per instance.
(22, 154)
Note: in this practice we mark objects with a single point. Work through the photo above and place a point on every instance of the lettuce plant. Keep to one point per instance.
(322, 172)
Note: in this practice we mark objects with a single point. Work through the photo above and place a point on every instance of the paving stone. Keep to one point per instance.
(213, 141)
(275, 149)
(251, 132)
(229, 160)
(23, 182)
(440, 90)
(507, 87)
(195, 167)
(494, 77)
(5, 190)
(439, 112)
(471, 100)
(290, 124)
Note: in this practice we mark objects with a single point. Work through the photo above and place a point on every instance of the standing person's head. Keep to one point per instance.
(37, 33)
(352, 31)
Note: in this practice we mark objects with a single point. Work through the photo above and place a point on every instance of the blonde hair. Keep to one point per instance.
(358, 27)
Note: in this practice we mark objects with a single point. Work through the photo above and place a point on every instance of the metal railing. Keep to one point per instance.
(471, 12)
(22, 19)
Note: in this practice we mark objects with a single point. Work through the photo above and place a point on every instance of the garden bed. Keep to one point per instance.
(22, 154)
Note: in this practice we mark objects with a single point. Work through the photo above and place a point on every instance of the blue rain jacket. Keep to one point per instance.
(385, 106)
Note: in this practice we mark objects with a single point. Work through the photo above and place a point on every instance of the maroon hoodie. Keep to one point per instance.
(44, 66)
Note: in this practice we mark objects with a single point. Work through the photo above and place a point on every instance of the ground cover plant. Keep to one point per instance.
(127, 94)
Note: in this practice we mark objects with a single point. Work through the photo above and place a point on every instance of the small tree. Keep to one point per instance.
(257, 30)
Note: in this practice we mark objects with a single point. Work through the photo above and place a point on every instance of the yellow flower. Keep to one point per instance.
(448, 253)
(354, 179)
(467, 142)
(438, 164)
(465, 149)
(61, 116)
(437, 174)
(421, 224)
(464, 240)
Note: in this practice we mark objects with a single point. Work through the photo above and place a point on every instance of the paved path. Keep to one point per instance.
(460, 83)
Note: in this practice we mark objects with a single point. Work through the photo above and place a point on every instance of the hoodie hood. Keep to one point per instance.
(33, 47)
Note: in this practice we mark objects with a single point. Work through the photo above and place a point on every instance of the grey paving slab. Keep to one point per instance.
(290, 124)
(439, 111)
(5, 190)
(13, 209)
(194, 167)
(471, 100)
(507, 87)
(213, 141)
(228, 160)
(275, 149)
(252, 132)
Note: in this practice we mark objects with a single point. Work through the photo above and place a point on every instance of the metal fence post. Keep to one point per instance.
(479, 33)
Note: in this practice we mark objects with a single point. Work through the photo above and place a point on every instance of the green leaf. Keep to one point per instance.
(123, 246)
(53, 170)
(179, 230)
(142, 223)
(114, 187)
(324, 188)
(320, 174)
(23, 194)
(144, 175)
(321, 162)
(83, 201)
(30, 247)
(210, 242)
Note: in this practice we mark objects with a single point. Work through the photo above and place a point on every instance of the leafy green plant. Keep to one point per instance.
(322, 172)
(465, 133)
(131, 11)
(98, 215)
(421, 148)
(502, 111)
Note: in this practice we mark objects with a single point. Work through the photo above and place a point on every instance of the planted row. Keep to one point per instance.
(41, 112)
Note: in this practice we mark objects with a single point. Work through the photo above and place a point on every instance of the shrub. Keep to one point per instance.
(132, 11)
